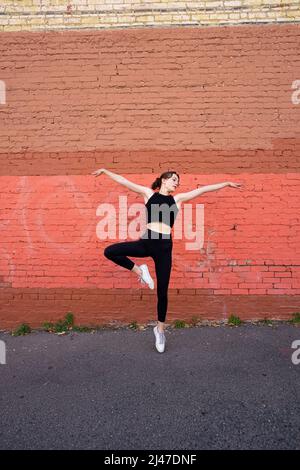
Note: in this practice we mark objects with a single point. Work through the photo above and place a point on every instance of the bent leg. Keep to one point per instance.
(119, 252)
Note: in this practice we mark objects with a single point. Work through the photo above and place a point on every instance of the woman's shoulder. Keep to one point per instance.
(149, 195)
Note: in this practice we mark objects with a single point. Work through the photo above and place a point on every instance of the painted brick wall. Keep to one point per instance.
(216, 104)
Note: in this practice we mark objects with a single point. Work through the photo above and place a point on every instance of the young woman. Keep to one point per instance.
(156, 242)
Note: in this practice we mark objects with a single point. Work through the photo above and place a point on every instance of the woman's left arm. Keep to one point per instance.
(183, 197)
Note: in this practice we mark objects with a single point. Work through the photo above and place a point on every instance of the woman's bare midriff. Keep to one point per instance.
(159, 227)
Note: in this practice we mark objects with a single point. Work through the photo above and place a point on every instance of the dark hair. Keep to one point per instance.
(165, 175)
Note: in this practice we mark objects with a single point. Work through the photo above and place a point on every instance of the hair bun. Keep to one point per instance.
(156, 183)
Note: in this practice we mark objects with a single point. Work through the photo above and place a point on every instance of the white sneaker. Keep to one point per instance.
(146, 278)
(160, 340)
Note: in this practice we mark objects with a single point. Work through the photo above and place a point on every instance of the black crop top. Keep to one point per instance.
(161, 208)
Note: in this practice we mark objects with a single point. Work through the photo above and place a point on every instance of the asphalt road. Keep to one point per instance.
(213, 388)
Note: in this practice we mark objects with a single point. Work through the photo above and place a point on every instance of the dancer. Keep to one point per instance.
(156, 242)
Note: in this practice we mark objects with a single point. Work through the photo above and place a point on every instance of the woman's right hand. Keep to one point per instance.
(98, 172)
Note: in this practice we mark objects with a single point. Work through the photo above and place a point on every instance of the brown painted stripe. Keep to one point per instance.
(284, 157)
(93, 307)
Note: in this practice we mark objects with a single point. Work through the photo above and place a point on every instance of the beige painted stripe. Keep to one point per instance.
(36, 15)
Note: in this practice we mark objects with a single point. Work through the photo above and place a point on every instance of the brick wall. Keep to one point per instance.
(216, 104)
(34, 15)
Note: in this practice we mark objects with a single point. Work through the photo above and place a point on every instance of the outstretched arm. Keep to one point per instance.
(183, 197)
(124, 181)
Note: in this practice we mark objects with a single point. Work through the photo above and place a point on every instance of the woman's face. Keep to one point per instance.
(172, 183)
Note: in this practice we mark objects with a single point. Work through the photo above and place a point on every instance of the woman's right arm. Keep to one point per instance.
(125, 182)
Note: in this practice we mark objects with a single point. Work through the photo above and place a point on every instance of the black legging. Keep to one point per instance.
(160, 249)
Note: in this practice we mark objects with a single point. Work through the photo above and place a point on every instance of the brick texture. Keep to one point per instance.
(215, 104)
(34, 15)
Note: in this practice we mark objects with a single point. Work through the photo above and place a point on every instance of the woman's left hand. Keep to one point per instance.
(234, 185)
